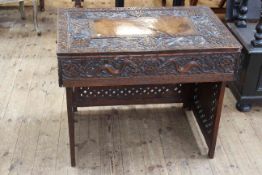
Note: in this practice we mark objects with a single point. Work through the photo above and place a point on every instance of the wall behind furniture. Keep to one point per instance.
(130, 3)
(52, 4)
(104, 3)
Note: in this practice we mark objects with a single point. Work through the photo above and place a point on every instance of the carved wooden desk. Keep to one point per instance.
(127, 56)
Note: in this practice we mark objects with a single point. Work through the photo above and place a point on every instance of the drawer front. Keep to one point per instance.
(150, 66)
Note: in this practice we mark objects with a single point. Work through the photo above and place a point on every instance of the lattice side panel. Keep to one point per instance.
(205, 102)
(145, 91)
(125, 95)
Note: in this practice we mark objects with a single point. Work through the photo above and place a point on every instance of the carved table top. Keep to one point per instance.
(133, 46)
(128, 30)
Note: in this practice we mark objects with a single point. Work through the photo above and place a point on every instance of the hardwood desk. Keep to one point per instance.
(127, 56)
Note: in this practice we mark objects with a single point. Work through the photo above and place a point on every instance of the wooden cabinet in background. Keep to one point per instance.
(243, 20)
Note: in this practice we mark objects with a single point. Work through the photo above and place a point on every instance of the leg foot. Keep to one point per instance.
(73, 163)
(211, 153)
(243, 107)
(74, 109)
(38, 32)
(187, 106)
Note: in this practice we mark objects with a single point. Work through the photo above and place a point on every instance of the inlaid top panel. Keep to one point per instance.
(137, 27)
(120, 30)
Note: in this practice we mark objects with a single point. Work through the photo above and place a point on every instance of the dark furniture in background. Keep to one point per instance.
(121, 3)
(175, 2)
(150, 64)
(221, 4)
(42, 5)
(22, 11)
(219, 9)
(78, 3)
(243, 20)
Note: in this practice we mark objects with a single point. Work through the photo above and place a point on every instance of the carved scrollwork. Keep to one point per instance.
(183, 68)
(145, 65)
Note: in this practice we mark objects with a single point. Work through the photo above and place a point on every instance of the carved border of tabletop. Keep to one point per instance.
(74, 33)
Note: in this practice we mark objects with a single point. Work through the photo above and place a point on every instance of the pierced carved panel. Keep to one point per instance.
(204, 105)
(142, 91)
(135, 94)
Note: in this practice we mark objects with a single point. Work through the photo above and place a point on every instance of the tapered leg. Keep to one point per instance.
(70, 113)
(207, 104)
(22, 9)
(218, 109)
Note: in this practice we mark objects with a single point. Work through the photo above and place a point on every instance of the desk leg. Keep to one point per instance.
(70, 113)
(206, 105)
